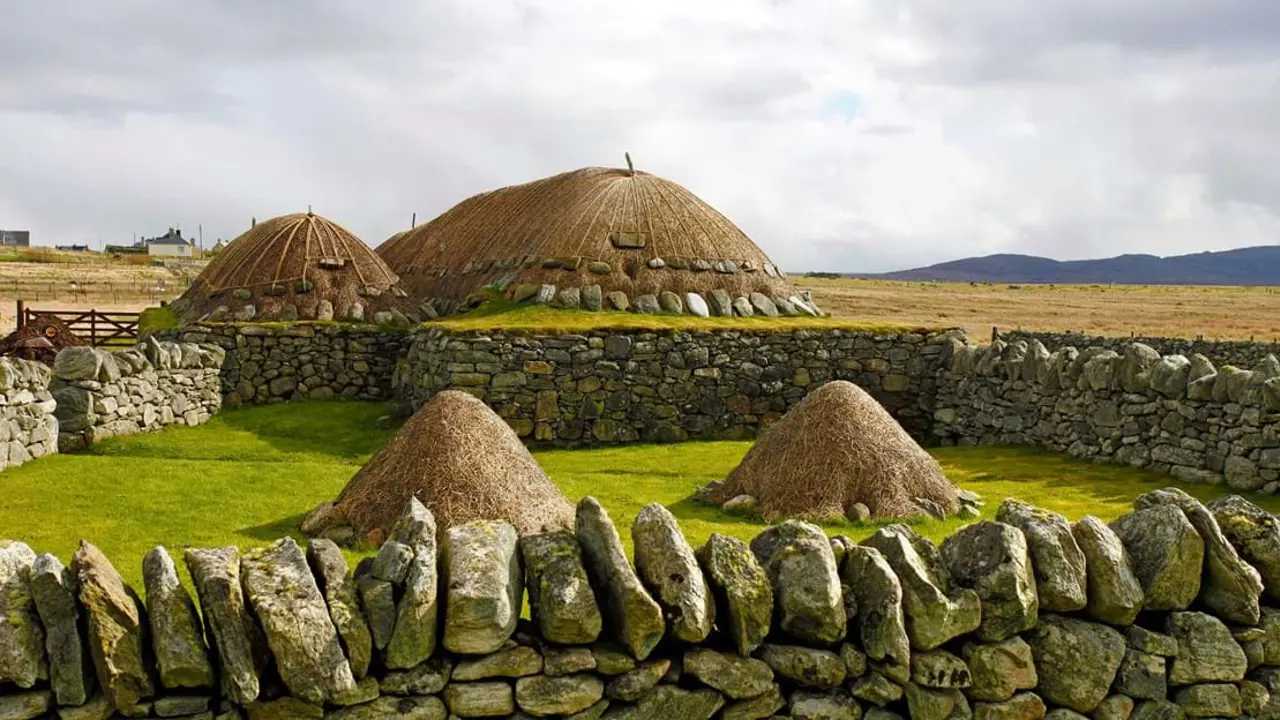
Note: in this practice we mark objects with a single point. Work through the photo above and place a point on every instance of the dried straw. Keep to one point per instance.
(464, 463)
(837, 447)
(274, 258)
(511, 230)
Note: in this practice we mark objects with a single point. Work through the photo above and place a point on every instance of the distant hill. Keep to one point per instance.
(1246, 266)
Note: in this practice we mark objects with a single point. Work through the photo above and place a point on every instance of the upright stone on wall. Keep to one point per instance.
(483, 585)
(635, 617)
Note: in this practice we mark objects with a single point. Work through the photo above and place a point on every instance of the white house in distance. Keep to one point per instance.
(171, 244)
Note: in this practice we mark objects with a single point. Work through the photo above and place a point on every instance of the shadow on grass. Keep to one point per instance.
(274, 530)
(343, 429)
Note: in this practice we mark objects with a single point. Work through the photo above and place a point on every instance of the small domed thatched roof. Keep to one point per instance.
(461, 460)
(287, 268)
(835, 448)
(617, 228)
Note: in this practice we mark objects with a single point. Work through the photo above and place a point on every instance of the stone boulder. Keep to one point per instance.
(234, 634)
(336, 583)
(1209, 700)
(991, 559)
(935, 609)
(737, 677)
(999, 670)
(1076, 661)
(54, 589)
(418, 611)
(743, 595)
(483, 587)
(878, 623)
(1137, 361)
(634, 616)
(303, 640)
(177, 635)
(1169, 376)
(669, 702)
(668, 568)
(117, 629)
(1115, 595)
(560, 597)
(1058, 563)
(1142, 676)
(808, 601)
(22, 639)
(1255, 534)
(1206, 650)
(1167, 555)
(837, 705)
(1230, 588)
(1023, 706)
(806, 667)
(542, 696)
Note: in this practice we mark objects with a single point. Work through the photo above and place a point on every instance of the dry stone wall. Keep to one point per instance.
(1241, 353)
(1172, 413)
(610, 387)
(28, 427)
(301, 361)
(1168, 612)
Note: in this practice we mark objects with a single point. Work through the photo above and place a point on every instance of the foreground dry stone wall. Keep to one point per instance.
(1165, 613)
(301, 361)
(1172, 413)
(100, 394)
(608, 387)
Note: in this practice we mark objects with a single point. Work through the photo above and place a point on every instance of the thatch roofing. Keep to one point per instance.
(461, 460)
(835, 448)
(289, 265)
(618, 228)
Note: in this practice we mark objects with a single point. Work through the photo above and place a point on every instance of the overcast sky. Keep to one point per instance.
(854, 135)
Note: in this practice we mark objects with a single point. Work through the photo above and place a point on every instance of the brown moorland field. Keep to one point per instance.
(1217, 313)
(51, 280)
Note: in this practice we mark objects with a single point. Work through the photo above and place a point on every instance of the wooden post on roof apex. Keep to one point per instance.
(630, 168)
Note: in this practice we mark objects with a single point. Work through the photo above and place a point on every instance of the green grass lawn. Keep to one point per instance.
(247, 477)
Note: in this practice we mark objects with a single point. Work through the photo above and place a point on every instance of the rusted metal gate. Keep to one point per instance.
(91, 326)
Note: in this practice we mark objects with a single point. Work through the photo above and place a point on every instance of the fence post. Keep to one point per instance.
(93, 328)
(22, 314)
(995, 334)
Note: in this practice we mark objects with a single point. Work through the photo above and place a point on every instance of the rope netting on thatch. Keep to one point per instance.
(299, 260)
(620, 229)
(461, 460)
(834, 448)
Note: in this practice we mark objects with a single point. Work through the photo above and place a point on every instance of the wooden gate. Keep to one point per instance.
(91, 326)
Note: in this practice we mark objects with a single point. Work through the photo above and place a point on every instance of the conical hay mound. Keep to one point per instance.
(464, 463)
(834, 448)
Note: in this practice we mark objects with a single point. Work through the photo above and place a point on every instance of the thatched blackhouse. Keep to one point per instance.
(299, 266)
(591, 237)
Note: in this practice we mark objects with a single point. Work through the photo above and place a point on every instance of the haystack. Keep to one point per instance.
(460, 460)
(299, 266)
(834, 449)
(622, 230)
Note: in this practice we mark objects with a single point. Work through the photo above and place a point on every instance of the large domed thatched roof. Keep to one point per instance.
(617, 228)
(299, 265)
